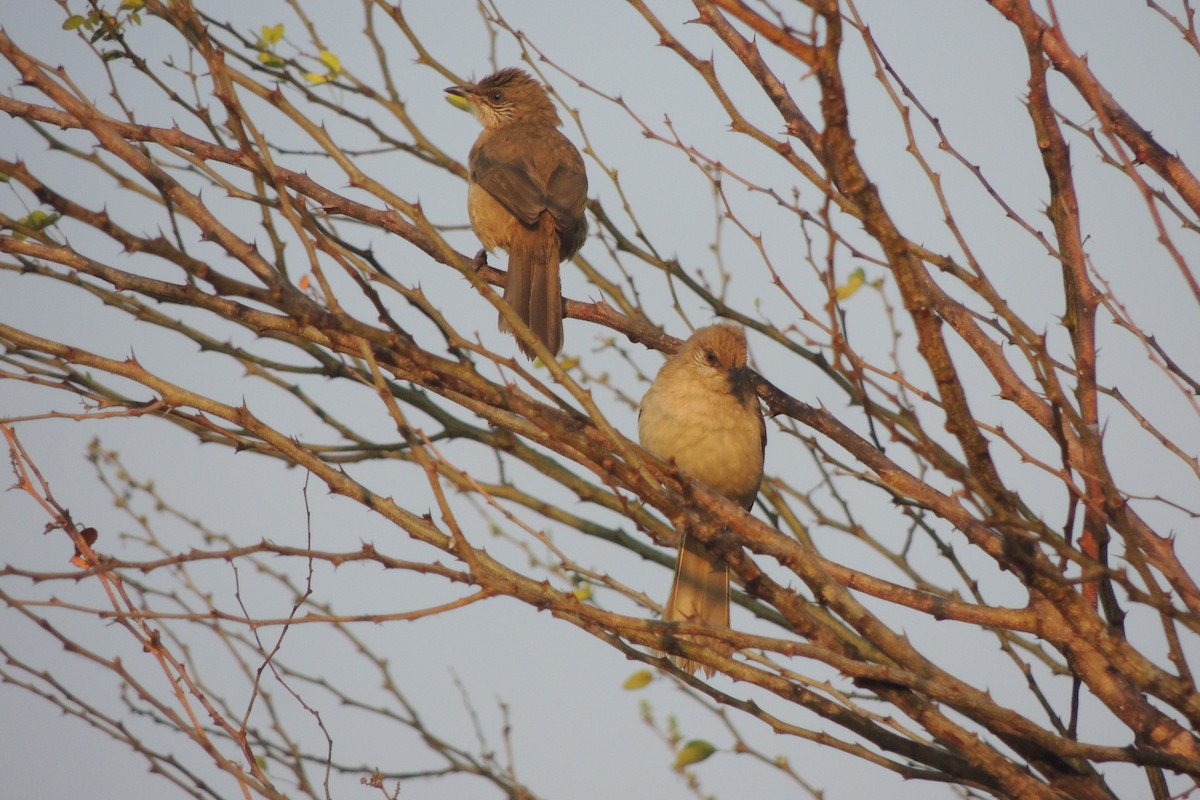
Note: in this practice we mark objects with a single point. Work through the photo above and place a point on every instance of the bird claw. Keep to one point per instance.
(480, 260)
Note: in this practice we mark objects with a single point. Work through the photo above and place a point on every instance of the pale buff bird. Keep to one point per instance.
(701, 412)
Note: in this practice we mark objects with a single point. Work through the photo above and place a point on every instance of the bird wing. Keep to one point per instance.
(530, 172)
(566, 191)
(510, 176)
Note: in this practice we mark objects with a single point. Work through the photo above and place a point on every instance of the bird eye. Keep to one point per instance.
(496, 97)
(710, 357)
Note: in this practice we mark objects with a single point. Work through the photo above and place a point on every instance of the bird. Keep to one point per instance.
(527, 187)
(702, 414)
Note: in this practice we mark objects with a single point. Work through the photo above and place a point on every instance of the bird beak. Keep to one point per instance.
(740, 382)
(462, 97)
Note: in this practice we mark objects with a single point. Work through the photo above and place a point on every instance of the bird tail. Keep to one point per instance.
(700, 593)
(532, 288)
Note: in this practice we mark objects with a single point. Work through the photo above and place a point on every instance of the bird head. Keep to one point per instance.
(719, 353)
(508, 96)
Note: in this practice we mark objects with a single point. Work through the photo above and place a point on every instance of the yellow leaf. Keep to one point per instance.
(316, 77)
(74, 21)
(132, 5)
(693, 752)
(583, 592)
(852, 284)
(331, 61)
(270, 60)
(638, 679)
(271, 34)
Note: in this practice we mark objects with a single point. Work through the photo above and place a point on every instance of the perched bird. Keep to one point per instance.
(526, 193)
(701, 413)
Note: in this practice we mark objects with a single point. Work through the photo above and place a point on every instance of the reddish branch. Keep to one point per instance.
(1146, 149)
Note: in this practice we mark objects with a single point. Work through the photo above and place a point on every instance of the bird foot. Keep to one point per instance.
(480, 260)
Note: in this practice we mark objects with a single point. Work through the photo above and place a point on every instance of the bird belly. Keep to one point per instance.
(491, 221)
(721, 450)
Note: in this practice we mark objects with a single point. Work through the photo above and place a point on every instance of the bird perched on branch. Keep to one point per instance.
(526, 193)
(701, 413)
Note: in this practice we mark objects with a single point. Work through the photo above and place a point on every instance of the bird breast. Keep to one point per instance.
(711, 435)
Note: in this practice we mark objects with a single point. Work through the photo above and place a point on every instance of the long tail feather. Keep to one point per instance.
(533, 288)
(700, 593)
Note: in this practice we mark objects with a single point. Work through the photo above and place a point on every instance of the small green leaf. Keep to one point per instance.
(693, 752)
(132, 5)
(37, 220)
(638, 679)
(270, 60)
(74, 22)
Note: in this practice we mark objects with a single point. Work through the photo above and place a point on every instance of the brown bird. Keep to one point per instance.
(526, 192)
(701, 413)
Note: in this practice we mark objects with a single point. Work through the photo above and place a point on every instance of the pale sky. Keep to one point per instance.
(576, 733)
